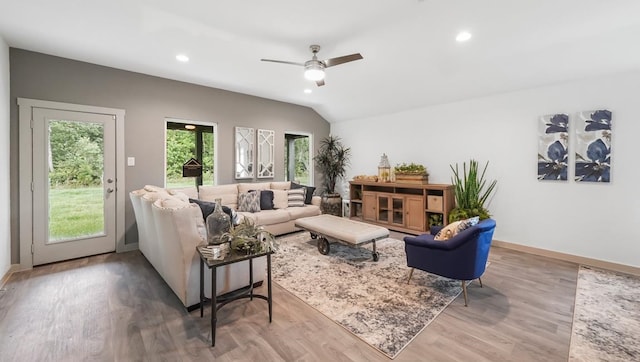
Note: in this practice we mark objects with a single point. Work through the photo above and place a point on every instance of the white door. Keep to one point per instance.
(74, 186)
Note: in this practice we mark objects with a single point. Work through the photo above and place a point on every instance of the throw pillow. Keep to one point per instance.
(249, 202)
(296, 197)
(448, 231)
(208, 207)
(309, 190)
(280, 199)
(454, 228)
(266, 200)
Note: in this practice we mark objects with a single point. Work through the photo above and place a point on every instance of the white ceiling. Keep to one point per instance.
(410, 56)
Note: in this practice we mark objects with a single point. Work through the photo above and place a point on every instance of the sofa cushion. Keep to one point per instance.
(208, 208)
(191, 192)
(298, 212)
(269, 217)
(173, 202)
(246, 187)
(153, 196)
(152, 188)
(309, 190)
(266, 200)
(228, 194)
(249, 201)
(280, 185)
(280, 199)
(296, 197)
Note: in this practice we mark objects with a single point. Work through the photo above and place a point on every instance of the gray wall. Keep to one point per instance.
(147, 101)
(5, 229)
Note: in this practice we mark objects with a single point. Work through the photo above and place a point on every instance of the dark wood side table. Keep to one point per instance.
(246, 292)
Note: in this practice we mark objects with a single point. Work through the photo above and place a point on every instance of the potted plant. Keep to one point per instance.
(471, 192)
(332, 160)
(411, 173)
(247, 237)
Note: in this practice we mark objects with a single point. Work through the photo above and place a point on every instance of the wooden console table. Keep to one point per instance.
(246, 292)
(404, 207)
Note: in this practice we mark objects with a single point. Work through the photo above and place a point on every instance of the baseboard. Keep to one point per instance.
(622, 268)
(12, 269)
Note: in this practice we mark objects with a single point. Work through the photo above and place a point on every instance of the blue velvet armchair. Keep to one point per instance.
(463, 257)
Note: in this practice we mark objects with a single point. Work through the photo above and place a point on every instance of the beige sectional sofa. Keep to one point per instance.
(278, 221)
(170, 228)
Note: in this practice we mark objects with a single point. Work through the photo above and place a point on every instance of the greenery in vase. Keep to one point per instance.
(247, 237)
(410, 169)
(471, 191)
(332, 160)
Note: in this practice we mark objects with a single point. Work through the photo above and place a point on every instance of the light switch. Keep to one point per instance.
(131, 161)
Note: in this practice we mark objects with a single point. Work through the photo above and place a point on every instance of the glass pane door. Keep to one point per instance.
(76, 167)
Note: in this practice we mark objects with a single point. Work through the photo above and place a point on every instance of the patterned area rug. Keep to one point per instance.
(370, 299)
(606, 317)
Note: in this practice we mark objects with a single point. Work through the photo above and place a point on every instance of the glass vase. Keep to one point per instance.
(218, 223)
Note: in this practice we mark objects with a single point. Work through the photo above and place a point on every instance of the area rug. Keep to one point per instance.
(606, 317)
(370, 299)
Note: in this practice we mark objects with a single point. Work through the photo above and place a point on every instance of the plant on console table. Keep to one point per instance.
(471, 191)
(247, 237)
(332, 160)
(411, 172)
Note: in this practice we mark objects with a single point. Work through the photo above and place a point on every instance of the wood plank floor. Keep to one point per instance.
(116, 307)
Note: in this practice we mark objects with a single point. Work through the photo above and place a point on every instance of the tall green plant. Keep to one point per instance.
(471, 191)
(332, 160)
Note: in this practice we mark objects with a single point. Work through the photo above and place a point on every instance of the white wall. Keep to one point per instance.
(592, 220)
(5, 225)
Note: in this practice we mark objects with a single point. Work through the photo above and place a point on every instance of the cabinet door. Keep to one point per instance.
(384, 208)
(398, 209)
(369, 201)
(415, 211)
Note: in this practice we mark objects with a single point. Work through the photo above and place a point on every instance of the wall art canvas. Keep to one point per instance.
(553, 150)
(593, 146)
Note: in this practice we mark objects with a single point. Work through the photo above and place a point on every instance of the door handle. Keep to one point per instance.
(110, 190)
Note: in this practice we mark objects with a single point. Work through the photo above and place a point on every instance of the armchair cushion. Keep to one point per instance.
(454, 228)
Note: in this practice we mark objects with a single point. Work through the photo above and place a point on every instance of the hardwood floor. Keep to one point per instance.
(116, 307)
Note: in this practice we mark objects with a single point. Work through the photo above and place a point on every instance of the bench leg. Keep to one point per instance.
(375, 254)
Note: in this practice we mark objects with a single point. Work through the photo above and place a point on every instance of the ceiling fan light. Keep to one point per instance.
(314, 74)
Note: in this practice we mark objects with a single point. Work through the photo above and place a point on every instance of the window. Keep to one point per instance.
(298, 160)
(186, 140)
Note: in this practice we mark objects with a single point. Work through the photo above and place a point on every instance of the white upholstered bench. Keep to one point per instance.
(329, 227)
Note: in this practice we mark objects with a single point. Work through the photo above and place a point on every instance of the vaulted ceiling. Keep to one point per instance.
(411, 58)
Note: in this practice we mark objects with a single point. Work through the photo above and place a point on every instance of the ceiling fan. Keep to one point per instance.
(314, 68)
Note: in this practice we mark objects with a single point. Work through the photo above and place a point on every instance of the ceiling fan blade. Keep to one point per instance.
(320, 83)
(282, 61)
(339, 60)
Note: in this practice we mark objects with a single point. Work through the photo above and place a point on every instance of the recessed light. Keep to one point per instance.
(308, 91)
(182, 58)
(463, 36)
(189, 126)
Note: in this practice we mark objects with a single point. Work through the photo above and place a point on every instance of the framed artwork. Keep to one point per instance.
(593, 146)
(266, 143)
(553, 147)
